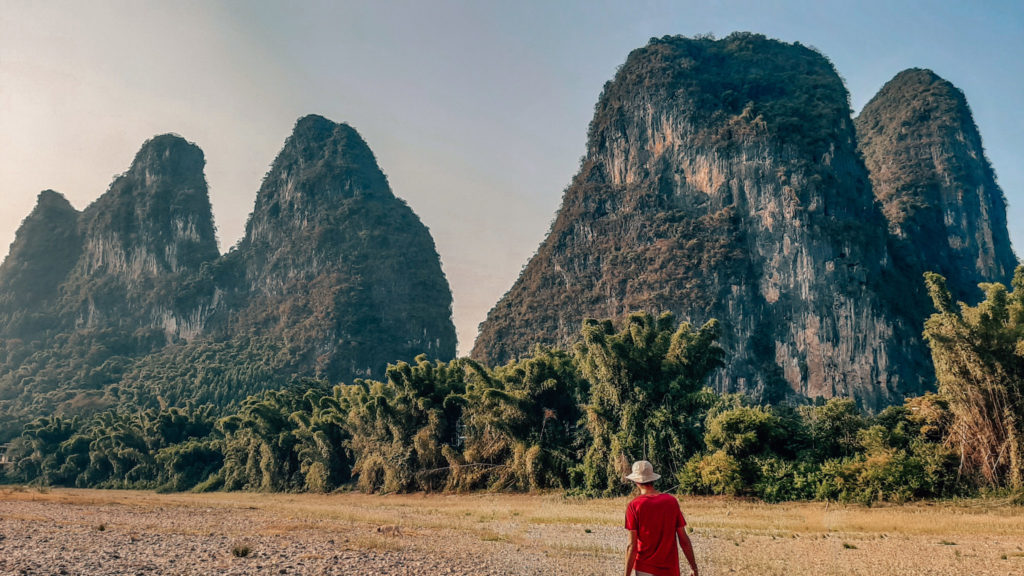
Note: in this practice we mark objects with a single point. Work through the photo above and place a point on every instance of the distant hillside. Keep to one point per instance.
(130, 301)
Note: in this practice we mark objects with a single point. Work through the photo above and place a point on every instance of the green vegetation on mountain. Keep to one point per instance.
(741, 86)
(337, 266)
(43, 252)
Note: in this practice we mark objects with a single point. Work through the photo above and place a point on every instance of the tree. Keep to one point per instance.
(833, 427)
(397, 428)
(647, 394)
(979, 361)
(518, 424)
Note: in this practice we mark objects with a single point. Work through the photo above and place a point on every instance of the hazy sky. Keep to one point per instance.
(477, 111)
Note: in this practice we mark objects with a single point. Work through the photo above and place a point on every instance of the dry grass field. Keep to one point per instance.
(126, 532)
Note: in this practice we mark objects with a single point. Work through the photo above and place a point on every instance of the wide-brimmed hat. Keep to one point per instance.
(643, 472)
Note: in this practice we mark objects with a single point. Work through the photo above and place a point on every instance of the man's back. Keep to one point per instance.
(656, 518)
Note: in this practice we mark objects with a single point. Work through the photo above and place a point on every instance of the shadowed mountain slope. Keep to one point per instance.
(936, 187)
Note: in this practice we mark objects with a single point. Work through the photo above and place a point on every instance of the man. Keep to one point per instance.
(655, 523)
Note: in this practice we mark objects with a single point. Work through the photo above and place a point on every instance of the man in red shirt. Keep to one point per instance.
(655, 522)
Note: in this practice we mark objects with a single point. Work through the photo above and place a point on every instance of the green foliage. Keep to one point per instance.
(288, 439)
(94, 370)
(187, 464)
(714, 473)
(519, 425)
(831, 451)
(832, 428)
(900, 455)
(398, 427)
(745, 431)
(979, 361)
(646, 394)
(553, 420)
(113, 449)
(779, 480)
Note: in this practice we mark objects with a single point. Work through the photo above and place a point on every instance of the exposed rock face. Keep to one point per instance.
(331, 258)
(44, 251)
(155, 219)
(153, 226)
(937, 189)
(722, 181)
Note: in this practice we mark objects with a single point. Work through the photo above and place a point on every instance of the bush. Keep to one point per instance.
(836, 480)
(743, 431)
(780, 480)
(719, 473)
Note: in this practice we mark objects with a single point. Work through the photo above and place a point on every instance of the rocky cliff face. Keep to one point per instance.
(722, 181)
(153, 226)
(938, 192)
(333, 259)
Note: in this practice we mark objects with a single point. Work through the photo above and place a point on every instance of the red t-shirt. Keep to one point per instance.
(656, 519)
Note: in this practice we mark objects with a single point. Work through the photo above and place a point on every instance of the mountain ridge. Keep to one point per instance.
(335, 278)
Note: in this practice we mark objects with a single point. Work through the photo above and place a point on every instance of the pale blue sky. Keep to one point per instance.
(477, 111)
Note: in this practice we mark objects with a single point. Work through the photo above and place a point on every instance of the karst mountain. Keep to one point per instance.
(936, 187)
(130, 300)
(723, 179)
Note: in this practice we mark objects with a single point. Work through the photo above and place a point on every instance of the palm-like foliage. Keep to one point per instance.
(979, 360)
(398, 427)
(518, 425)
(573, 421)
(646, 394)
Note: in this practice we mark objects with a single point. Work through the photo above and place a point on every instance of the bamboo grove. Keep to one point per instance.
(574, 420)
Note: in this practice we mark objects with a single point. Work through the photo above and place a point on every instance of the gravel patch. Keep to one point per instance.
(107, 538)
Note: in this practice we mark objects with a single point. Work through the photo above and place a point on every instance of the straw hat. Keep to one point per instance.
(643, 472)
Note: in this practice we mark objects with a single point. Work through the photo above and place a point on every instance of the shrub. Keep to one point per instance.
(779, 480)
(743, 431)
(720, 473)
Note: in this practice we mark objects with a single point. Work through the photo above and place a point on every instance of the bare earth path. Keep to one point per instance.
(87, 532)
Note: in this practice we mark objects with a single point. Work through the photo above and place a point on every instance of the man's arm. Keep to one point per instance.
(631, 553)
(684, 543)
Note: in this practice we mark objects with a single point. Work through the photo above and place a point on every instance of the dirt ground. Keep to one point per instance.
(87, 532)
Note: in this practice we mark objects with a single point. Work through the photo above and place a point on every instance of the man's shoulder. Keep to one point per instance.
(660, 499)
(666, 502)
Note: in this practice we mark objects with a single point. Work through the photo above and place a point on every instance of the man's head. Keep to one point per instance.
(643, 473)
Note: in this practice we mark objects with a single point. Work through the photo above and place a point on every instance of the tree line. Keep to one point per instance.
(575, 420)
